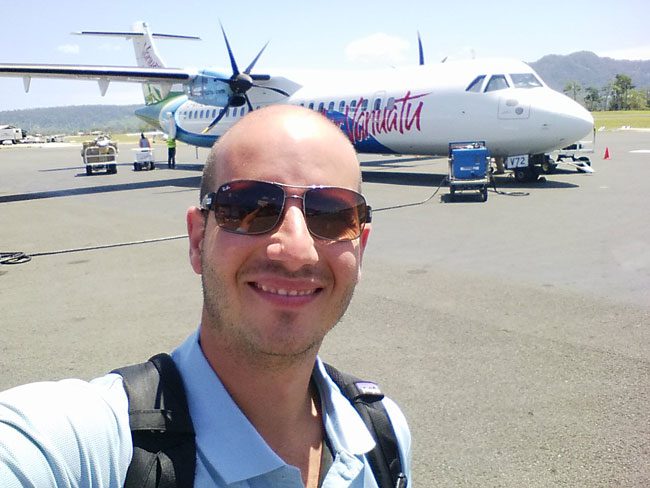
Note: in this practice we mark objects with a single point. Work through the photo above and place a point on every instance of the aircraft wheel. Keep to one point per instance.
(548, 166)
(526, 175)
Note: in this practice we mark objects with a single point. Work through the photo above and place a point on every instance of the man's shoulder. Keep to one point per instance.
(74, 423)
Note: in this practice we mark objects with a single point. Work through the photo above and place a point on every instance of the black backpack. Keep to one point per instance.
(164, 449)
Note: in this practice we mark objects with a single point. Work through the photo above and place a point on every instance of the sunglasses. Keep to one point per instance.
(253, 207)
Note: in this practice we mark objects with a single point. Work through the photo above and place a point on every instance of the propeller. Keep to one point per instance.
(420, 50)
(240, 82)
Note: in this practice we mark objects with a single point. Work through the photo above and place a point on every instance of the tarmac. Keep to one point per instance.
(514, 333)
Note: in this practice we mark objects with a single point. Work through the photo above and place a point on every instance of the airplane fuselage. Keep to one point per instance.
(419, 110)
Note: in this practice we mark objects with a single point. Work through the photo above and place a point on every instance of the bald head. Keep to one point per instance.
(283, 143)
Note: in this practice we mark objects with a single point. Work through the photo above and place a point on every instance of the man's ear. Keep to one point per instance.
(195, 231)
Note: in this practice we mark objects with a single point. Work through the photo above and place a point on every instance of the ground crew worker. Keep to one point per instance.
(171, 152)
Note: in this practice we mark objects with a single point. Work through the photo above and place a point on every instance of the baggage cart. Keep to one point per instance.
(100, 154)
(144, 159)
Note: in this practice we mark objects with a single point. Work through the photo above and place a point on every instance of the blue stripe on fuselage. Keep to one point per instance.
(368, 145)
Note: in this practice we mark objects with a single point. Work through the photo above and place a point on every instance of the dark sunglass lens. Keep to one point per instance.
(335, 213)
(248, 207)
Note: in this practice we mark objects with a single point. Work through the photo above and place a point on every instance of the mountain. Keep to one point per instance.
(588, 69)
(70, 120)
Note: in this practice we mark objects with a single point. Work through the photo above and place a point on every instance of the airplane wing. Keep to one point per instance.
(108, 73)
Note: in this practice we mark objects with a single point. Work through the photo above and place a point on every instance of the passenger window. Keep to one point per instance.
(390, 104)
(525, 80)
(321, 106)
(377, 104)
(353, 104)
(311, 105)
(241, 112)
(342, 106)
(475, 86)
(364, 105)
(201, 116)
(330, 107)
(497, 82)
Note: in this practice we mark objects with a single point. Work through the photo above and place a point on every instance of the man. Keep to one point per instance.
(171, 152)
(275, 280)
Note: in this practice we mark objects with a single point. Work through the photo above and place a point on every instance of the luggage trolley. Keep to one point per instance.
(469, 163)
(100, 154)
(144, 159)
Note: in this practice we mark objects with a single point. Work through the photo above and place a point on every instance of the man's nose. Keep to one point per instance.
(292, 244)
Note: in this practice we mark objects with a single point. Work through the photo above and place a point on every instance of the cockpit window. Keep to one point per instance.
(475, 86)
(497, 82)
(525, 80)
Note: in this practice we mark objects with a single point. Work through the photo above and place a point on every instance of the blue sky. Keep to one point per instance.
(306, 35)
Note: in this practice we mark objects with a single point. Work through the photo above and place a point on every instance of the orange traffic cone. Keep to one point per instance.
(606, 156)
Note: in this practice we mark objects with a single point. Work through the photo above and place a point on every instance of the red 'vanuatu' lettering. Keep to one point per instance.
(402, 116)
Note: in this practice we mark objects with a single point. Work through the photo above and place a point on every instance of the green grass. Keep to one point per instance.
(121, 138)
(639, 119)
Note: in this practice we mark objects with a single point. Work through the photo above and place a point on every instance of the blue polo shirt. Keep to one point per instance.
(73, 433)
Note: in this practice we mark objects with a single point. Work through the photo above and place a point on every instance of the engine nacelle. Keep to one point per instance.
(207, 89)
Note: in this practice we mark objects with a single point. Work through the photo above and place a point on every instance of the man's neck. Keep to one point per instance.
(278, 398)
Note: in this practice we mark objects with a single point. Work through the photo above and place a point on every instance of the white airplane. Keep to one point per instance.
(413, 110)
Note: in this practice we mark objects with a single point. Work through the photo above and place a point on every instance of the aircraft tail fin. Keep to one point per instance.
(147, 56)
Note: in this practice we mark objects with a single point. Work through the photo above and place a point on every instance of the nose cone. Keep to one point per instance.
(565, 120)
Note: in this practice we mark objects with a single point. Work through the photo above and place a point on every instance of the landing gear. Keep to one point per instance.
(549, 166)
(526, 175)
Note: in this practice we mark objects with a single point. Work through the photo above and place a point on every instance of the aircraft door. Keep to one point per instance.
(169, 124)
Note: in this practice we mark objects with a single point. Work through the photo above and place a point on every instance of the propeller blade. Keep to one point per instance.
(250, 66)
(421, 51)
(276, 90)
(233, 63)
(250, 106)
(260, 77)
(217, 119)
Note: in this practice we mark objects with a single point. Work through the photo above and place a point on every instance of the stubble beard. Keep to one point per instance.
(234, 337)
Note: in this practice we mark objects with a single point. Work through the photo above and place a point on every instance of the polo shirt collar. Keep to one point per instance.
(230, 445)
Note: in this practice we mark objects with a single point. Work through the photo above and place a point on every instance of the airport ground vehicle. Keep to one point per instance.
(100, 154)
(10, 134)
(144, 159)
(574, 155)
(469, 165)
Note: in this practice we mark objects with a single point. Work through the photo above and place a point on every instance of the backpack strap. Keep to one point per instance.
(164, 446)
(366, 398)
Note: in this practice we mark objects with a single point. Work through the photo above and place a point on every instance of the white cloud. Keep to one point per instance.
(376, 48)
(68, 48)
(632, 53)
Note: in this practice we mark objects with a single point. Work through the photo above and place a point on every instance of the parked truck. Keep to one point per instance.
(10, 134)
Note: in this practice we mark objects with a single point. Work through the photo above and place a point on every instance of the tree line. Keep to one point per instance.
(618, 94)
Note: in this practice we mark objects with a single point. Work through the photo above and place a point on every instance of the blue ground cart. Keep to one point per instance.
(469, 164)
